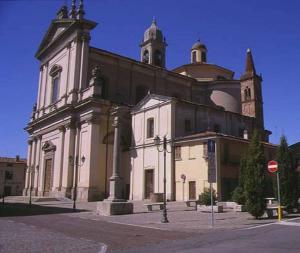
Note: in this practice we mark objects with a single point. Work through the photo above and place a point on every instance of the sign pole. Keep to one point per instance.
(212, 205)
(212, 173)
(279, 200)
(273, 168)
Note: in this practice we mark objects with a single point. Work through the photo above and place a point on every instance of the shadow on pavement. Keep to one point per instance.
(22, 209)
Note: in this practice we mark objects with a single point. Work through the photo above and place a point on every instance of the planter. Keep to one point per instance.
(239, 208)
(207, 209)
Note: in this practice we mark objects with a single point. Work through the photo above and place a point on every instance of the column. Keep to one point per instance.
(62, 146)
(45, 88)
(33, 160)
(115, 204)
(27, 176)
(83, 63)
(65, 96)
(40, 88)
(116, 182)
(75, 160)
(36, 167)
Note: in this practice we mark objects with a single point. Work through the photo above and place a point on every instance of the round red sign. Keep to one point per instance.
(272, 166)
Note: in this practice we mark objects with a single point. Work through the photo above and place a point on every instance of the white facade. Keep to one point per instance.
(144, 154)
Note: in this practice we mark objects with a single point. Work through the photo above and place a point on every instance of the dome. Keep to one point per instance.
(153, 32)
(198, 45)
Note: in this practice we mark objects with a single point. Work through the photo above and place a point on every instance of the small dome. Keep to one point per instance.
(198, 45)
(153, 32)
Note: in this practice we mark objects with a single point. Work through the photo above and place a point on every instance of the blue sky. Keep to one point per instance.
(227, 27)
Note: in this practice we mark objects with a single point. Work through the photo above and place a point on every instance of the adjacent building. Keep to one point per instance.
(71, 130)
(12, 176)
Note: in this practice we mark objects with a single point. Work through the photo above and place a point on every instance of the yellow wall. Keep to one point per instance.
(194, 166)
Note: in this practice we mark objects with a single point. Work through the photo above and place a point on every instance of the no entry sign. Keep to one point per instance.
(272, 166)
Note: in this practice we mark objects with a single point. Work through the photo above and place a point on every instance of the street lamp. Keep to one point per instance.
(157, 142)
(4, 174)
(76, 163)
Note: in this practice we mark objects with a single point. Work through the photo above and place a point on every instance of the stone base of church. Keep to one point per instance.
(108, 207)
(24, 192)
(89, 194)
(66, 192)
(83, 193)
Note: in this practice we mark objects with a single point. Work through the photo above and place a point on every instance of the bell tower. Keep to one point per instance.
(251, 93)
(198, 53)
(153, 46)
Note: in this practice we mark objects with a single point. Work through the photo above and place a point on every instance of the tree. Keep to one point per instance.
(254, 178)
(238, 194)
(287, 175)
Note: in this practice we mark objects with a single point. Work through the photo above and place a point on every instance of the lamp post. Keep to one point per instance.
(76, 163)
(157, 142)
(4, 175)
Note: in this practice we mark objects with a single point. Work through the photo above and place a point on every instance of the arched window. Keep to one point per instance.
(194, 57)
(146, 56)
(55, 73)
(247, 94)
(157, 58)
(140, 92)
(203, 57)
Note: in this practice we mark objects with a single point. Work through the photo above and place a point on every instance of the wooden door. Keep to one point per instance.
(48, 176)
(192, 190)
(149, 184)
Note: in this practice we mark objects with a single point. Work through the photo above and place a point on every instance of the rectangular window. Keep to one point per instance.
(177, 153)
(192, 152)
(150, 128)
(55, 89)
(187, 126)
(8, 175)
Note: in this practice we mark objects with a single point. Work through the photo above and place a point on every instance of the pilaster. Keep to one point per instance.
(69, 148)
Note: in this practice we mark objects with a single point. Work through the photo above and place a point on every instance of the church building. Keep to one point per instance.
(72, 144)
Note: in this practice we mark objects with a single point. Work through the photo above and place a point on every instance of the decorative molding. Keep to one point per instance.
(85, 37)
(62, 129)
(48, 147)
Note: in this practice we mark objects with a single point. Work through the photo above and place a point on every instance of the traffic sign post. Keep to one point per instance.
(212, 175)
(273, 168)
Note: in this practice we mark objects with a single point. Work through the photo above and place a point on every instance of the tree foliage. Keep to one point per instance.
(205, 198)
(238, 194)
(254, 180)
(287, 175)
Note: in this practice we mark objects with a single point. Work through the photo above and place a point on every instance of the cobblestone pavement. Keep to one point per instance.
(53, 227)
(181, 218)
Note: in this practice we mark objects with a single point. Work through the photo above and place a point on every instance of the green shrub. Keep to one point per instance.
(204, 197)
(238, 196)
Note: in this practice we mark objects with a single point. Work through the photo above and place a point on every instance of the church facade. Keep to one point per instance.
(71, 130)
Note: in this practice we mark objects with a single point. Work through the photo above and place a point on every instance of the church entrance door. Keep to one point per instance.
(149, 184)
(48, 176)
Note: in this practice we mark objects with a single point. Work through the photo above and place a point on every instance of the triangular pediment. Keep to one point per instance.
(61, 27)
(151, 100)
(56, 29)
